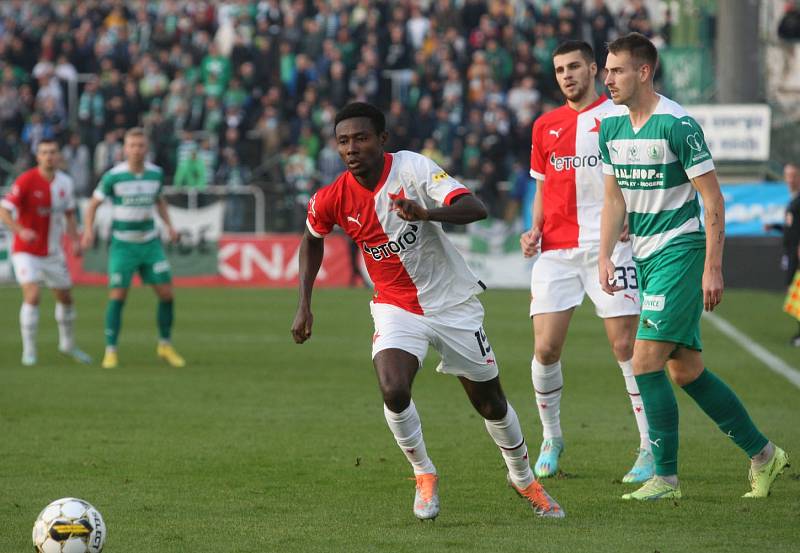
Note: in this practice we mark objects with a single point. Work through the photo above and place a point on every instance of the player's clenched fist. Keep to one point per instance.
(529, 242)
(409, 210)
(301, 327)
(608, 280)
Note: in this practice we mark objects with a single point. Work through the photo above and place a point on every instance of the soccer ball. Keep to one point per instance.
(69, 525)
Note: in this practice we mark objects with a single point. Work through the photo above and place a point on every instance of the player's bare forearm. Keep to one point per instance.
(312, 251)
(612, 218)
(465, 209)
(714, 207)
(72, 225)
(8, 221)
(537, 210)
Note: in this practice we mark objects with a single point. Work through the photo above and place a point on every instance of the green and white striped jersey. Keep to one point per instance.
(653, 167)
(133, 200)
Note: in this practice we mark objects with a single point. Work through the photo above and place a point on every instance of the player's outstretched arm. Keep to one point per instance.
(612, 222)
(312, 250)
(465, 209)
(714, 207)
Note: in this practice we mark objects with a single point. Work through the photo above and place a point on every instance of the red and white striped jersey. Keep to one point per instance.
(412, 264)
(40, 205)
(565, 154)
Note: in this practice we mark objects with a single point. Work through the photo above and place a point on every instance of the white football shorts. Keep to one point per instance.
(561, 278)
(50, 269)
(456, 333)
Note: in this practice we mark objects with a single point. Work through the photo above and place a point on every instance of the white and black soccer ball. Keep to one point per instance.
(69, 525)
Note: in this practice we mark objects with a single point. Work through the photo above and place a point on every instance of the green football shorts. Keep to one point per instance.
(672, 297)
(126, 258)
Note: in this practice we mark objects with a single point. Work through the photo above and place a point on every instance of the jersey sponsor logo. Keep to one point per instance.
(440, 176)
(555, 132)
(565, 163)
(640, 174)
(393, 247)
(145, 200)
(653, 303)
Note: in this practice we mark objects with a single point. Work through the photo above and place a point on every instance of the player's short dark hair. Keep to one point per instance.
(362, 109)
(575, 46)
(47, 140)
(640, 48)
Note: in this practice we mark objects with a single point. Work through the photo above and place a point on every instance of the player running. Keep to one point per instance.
(656, 161)
(566, 228)
(44, 203)
(392, 205)
(134, 187)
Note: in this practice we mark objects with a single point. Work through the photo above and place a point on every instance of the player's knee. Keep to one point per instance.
(494, 409)
(547, 353)
(622, 348)
(396, 398)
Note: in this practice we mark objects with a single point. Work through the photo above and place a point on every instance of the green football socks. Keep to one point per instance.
(113, 321)
(724, 407)
(662, 416)
(164, 317)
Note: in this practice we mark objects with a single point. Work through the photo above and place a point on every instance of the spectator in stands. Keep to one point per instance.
(207, 66)
(77, 162)
(234, 175)
(107, 153)
(191, 172)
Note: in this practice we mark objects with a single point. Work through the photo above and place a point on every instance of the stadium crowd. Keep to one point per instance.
(245, 91)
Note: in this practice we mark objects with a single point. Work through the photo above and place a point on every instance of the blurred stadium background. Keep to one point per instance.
(238, 98)
(261, 445)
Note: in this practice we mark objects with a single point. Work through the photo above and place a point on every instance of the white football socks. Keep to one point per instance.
(636, 404)
(547, 384)
(507, 434)
(407, 431)
(65, 316)
(29, 326)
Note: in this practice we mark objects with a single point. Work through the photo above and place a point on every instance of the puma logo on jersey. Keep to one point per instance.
(355, 220)
(555, 133)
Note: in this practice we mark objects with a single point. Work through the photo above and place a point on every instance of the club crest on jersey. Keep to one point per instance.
(393, 247)
(565, 163)
(655, 151)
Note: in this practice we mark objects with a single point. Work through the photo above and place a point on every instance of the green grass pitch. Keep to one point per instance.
(261, 445)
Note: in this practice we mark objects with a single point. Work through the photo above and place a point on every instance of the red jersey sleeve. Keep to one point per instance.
(538, 158)
(320, 218)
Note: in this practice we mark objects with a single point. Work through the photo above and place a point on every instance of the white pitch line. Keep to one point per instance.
(772, 361)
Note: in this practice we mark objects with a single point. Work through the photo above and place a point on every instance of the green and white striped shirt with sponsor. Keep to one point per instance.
(653, 167)
(133, 198)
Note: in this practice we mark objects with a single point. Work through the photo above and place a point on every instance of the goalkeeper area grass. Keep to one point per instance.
(260, 444)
